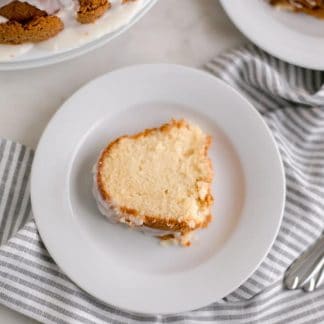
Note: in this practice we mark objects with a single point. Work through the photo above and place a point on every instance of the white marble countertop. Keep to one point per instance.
(188, 32)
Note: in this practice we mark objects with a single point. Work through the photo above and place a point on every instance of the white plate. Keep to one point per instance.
(295, 38)
(126, 268)
(36, 58)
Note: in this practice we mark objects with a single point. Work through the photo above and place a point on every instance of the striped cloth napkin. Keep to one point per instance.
(291, 100)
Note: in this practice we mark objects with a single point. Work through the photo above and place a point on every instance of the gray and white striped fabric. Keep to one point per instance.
(291, 101)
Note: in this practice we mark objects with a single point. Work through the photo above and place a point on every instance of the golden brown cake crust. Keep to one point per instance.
(21, 11)
(91, 10)
(35, 30)
(152, 221)
(27, 24)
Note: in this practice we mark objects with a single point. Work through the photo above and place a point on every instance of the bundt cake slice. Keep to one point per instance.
(158, 180)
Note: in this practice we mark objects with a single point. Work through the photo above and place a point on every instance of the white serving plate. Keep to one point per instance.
(125, 268)
(295, 38)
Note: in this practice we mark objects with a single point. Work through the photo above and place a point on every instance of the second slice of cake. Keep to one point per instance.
(158, 180)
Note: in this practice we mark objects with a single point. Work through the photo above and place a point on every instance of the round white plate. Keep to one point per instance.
(125, 268)
(36, 58)
(295, 38)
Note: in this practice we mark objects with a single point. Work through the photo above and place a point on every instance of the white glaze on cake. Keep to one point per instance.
(114, 216)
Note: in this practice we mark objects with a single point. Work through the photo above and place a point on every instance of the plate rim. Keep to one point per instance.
(267, 46)
(57, 115)
(78, 51)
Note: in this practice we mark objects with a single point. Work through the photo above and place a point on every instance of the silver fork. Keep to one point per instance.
(307, 272)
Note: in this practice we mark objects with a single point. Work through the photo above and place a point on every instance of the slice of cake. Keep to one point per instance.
(158, 180)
